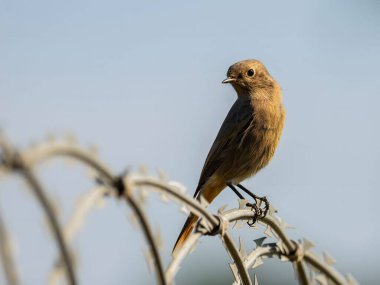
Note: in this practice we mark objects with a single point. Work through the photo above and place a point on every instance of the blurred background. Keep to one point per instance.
(141, 80)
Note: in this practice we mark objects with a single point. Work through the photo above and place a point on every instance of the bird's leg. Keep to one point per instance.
(258, 211)
(233, 188)
(263, 199)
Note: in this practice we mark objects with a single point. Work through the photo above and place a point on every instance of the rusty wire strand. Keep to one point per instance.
(308, 257)
(16, 162)
(75, 223)
(126, 191)
(52, 218)
(6, 256)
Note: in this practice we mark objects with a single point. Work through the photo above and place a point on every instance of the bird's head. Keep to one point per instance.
(250, 77)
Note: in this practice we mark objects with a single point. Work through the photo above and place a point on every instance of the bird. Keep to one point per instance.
(247, 139)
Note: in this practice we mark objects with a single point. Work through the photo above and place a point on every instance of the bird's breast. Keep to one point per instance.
(258, 145)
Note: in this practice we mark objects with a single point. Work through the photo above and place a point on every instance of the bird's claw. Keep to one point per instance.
(260, 213)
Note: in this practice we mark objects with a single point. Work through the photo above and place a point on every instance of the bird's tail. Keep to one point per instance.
(209, 192)
(186, 231)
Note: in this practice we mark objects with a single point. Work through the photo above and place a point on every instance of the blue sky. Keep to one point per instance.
(141, 80)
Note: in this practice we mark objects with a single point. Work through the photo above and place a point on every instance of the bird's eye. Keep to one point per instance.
(250, 72)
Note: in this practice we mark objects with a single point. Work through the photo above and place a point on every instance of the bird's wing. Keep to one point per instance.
(238, 119)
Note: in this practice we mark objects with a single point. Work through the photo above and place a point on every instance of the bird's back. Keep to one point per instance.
(230, 133)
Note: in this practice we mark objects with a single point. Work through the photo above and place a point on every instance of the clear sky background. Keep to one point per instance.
(141, 80)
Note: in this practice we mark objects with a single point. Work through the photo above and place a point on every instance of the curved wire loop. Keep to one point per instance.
(308, 267)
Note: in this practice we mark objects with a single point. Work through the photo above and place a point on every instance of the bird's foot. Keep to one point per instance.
(260, 212)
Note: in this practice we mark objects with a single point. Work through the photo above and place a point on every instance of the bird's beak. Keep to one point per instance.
(229, 80)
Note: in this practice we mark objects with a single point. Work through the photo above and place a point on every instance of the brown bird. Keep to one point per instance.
(247, 138)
